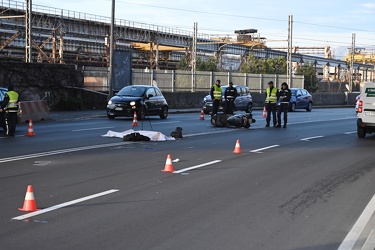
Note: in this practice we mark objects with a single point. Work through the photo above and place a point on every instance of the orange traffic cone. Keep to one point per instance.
(237, 148)
(168, 164)
(135, 121)
(264, 112)
(202, 115)
(29, 204)
(30, 130)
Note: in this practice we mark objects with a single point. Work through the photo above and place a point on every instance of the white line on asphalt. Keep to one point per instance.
(197, 166)
(358, 227)
(65, 204)
(86, 129)
(352, 132)
(261, 149)
(62, 151)
(164, 122)
(310, 138)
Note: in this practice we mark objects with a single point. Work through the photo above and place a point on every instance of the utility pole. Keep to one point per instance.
(352, 52)
(290, 50)
(194, 58)
(28, 30)
(111, 44)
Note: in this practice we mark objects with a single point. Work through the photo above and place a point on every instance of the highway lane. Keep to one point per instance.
(310, 200)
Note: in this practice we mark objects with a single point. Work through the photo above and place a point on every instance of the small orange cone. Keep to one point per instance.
(202, 115)
(237, 148)
(264, 112)
(29, 204)
(30, 130)
(168, 164)
(135, 121)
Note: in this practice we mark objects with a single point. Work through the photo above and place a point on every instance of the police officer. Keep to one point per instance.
(230, 95)
(216, 96)
(10, 106)
(284, 96)
(271, 100)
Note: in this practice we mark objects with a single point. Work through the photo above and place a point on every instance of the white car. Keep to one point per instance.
(366, 110)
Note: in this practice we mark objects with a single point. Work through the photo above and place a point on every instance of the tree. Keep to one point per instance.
(264, 66)
(182, 64)
(208, 65)
(307, 70)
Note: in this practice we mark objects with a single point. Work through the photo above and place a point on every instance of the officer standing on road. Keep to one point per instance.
(271, 100)
(230, 95)
(216, 96)
(10, 106)
(284, 96)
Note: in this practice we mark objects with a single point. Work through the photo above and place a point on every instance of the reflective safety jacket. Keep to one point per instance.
(216, 92)
(271, 95)
(11, 101)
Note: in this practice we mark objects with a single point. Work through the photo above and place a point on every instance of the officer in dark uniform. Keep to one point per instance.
(284, 96)
(230, 95)
(10, 107)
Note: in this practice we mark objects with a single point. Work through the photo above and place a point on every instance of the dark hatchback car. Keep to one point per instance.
(3, 91)
(243, 101)
(301, 99)
(144, 100)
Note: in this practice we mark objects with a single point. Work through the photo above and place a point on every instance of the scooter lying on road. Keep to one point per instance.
(226, 120)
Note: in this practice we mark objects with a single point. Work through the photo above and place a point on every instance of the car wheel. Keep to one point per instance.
(361, 132)
(249, 108)
(141, 115)
(309, 107)
(111, 117)
(164, 113)
(293, 107)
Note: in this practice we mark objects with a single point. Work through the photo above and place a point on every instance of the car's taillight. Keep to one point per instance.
(360, 106)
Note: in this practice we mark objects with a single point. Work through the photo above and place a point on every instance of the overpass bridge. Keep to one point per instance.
(65, 36)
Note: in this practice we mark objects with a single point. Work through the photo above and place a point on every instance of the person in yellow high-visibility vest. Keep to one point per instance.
(10, 107)
(270, 102)
(216, 93)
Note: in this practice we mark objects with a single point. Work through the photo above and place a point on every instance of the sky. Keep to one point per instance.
(315, 23)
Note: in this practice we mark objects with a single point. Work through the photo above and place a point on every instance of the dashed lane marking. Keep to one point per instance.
(262, 149)
(311, 138)
(65, 204)
(62, 151)
(88, 129)
(197, 166)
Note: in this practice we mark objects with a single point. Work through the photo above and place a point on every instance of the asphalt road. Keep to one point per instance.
(303, 187)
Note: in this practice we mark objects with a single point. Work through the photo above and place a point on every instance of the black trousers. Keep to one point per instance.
(283, 108)
(215, 106)
(229, 106)
(271, 109)
(10, 122)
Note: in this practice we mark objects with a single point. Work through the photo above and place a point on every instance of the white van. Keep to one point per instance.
(366, 110)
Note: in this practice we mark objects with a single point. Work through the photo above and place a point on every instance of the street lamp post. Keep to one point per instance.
(111, 47)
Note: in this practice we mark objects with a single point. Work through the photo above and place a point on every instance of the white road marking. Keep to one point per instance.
(352, 132)
(162, 122)
(62, 151)
(262, 149)
(65, 204)
(197, 166)
(310, 138)
(88, 129)
(358, 227)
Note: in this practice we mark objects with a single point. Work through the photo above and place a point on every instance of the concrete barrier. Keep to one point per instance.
(35, 110)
